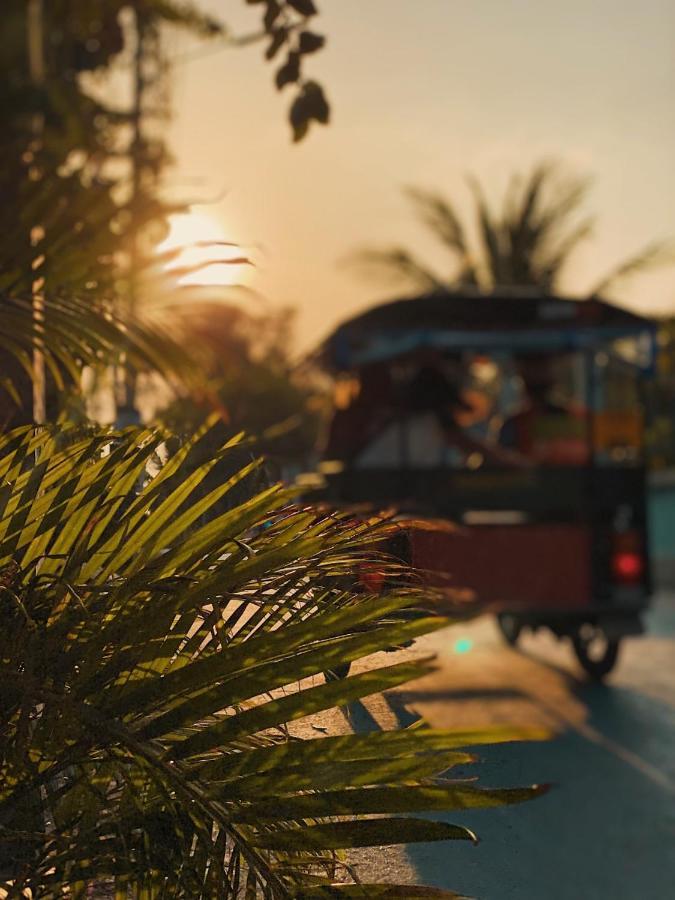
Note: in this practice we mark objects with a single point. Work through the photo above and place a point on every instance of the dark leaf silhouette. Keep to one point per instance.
(308, 42)
(304, 7)
(280, 35)
(271, 14)
(310, 105)
(289, 72)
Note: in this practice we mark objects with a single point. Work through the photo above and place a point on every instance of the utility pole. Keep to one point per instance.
(36, 66)
(146, 74)
(126, 408)
(137, 147)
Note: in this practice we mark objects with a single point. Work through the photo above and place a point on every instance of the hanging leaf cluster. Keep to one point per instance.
(287, 26)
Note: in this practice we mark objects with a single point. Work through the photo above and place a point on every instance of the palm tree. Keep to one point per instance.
(528, 242)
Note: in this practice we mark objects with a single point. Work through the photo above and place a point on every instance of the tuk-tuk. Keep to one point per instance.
(519, 417)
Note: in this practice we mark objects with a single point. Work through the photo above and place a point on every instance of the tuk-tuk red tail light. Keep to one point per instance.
(628, 564)
(628, 567)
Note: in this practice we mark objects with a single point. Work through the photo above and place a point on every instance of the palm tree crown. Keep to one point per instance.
(525, 243)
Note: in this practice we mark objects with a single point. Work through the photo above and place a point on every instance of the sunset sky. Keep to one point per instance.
(422, 92)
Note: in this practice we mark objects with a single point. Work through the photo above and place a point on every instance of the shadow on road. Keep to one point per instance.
(605, 831)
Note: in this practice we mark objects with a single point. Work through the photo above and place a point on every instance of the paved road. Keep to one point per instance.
(607, 830)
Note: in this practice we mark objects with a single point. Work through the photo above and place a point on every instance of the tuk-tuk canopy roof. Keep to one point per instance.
(470, 320)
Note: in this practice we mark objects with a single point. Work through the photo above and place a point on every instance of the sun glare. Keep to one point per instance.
(206, 255)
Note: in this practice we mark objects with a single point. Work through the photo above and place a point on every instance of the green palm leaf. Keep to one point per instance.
(158, 637)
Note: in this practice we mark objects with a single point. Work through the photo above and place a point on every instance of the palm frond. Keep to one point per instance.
(160, 632)
(491, 237)
(529, 241)
(655, 255)
(442, 220)
(551, 265)
(522, 233)
(537, 234)
(72, 333)
(567, 195)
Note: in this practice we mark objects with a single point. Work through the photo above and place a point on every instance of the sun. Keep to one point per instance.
(206, 256)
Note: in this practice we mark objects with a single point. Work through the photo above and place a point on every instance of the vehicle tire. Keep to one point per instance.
(337, 672)
(510, 627)
(595, 651)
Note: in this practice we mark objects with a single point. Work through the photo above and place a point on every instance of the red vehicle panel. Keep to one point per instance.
(542, 566)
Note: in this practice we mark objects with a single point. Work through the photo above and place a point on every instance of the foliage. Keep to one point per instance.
(286, 24)
(250, 379)
(64, 184)
(528, 243)
(66, 150)
(151, 660)
(73, 334)
(288, 37)
(80, 174)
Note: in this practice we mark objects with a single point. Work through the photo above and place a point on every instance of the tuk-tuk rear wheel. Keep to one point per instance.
(510, 627)
(595, 651)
